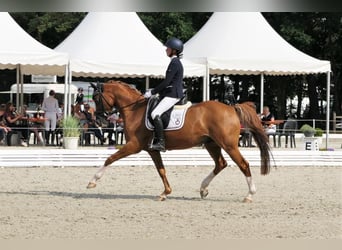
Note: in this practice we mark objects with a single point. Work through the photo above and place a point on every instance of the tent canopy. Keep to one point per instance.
(107, 44)
(244, 43)
(18, 48)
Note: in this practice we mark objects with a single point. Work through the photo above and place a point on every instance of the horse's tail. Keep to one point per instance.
(249, 119)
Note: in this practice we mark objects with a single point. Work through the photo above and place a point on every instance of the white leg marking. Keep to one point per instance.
(207, 180)
(251, 186)
(98, 174)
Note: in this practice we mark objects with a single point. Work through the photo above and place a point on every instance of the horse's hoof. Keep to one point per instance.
(161, 198)
(91, 185)
(247, 200)
(204, 193)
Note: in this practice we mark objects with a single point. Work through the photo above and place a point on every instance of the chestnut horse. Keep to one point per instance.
(211, 123)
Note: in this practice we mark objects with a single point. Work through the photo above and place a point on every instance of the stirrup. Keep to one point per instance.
(158, 146)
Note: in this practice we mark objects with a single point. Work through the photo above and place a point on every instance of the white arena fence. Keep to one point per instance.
(93, 157)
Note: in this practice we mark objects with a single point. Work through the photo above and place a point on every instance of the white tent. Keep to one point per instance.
(118, 44)
(20, 51)
(244, 43)
(18, 48)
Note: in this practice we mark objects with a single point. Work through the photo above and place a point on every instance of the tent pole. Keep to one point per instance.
(261, 92)
(147, 82)
(18, 80)
(206, 84)
(66, 78)
(69, 85)
(21, 91)
(328, 111)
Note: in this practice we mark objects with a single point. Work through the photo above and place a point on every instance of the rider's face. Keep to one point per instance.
(169, 52)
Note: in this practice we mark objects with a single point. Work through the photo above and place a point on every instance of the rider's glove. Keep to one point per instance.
(148, 94)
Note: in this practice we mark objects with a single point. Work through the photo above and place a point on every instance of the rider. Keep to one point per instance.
(170, 90)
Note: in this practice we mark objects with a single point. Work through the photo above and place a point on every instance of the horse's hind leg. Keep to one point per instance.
(220, 163)
(158, 162)
(236, 156)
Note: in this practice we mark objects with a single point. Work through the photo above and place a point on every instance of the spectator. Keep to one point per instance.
(79, 96)
(90, 124)
(34, 127)
(267, 118)
(12, 119)
(3, 128)
(50, 107)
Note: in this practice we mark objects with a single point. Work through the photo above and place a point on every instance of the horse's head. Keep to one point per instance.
(114, 94)
(103, 101)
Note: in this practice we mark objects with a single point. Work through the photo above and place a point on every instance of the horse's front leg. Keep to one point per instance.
(158, 162)
(126, 150)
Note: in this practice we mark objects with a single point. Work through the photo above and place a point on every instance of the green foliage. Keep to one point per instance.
(49, 28)
(318, 132)
(306, 128)
(174, 24)
(71, 127)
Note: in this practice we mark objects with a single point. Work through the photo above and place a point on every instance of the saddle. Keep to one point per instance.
(173, 118)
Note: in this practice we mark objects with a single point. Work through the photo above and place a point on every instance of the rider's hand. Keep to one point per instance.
(148, 94)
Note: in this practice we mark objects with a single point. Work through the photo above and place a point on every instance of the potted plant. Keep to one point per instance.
(307, 130)
(71, 132)
(318, 132)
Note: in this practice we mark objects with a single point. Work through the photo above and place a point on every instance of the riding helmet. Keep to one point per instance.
(175, 43)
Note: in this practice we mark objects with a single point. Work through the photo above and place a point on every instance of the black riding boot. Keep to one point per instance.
(159, 140)
(53, 135)
(47, 137)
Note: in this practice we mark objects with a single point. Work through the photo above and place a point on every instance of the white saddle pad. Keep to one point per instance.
(177, 117)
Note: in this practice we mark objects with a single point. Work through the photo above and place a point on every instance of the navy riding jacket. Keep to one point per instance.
(172, 86)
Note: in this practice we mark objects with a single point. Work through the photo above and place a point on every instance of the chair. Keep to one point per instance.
(274, 138)
(272, 132)
(245, 137)
(119, 131)
(41, 132)
(91, 135)
(289, 130)
(13, 138)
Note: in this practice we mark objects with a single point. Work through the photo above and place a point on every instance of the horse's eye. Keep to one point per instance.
(96, 96)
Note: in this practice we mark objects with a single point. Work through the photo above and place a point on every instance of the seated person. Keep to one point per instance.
(112, 119)
(246, 137)
(89, 123)
(59, 125)
(266, 119)
(33, 127)
(12, 120)
(3, 128)
(115, 127)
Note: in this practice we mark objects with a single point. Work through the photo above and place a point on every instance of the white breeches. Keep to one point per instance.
(164, 105)
(51, 121)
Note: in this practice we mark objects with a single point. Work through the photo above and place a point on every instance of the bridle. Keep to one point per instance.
(98, 90)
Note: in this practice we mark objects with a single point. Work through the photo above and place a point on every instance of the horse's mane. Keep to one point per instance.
(126, 85)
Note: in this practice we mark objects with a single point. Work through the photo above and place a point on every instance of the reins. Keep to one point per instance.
(102, 97)
(133, 103)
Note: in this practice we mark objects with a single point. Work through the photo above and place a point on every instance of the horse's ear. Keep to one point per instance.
(93, 86)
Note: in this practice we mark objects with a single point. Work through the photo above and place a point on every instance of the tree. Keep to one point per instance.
(49, 28)
(174, 24)
(319, 35)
